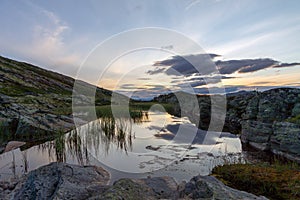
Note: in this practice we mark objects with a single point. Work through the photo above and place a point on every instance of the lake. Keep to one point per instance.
(155, 144)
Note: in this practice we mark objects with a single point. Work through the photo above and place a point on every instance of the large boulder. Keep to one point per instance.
(256, 134)
(65, 181)
(148, 188)
(61, 181)
(285, 140)
(208, 187)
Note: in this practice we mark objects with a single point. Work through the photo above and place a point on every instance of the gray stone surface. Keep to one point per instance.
(61, 181)
(65, 181)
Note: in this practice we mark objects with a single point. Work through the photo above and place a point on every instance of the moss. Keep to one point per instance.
(276, 181)
(127, 189)
(295, 119)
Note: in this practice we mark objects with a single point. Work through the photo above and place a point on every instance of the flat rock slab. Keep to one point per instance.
(62, 181)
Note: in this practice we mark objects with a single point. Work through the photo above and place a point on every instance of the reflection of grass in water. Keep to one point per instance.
(60, 147)
(117, 131)
(75, 146)
(4, 134)
(25, 161)
(101, 133)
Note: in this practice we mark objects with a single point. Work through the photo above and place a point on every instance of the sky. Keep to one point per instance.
(253, 43)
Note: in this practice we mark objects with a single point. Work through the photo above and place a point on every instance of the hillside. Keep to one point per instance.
(35, 100)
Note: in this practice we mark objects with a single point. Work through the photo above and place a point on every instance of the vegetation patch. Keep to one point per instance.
(295, 119)
(275, 181)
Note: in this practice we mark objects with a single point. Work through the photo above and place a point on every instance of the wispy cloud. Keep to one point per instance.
(43, 43)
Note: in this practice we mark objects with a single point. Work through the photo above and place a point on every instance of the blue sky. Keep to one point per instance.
(59, 35)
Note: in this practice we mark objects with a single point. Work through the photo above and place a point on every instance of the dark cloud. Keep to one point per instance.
(211, 77)
(286, 65)
(205, 80)
(245, 65)
(184, 65)
(156, 71)
(262, 83)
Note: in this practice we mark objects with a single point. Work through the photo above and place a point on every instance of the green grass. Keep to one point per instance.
(60, 146)
(295, 119)
(274, 181)
(147, 105)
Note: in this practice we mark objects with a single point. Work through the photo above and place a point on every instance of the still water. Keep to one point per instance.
(155, 144)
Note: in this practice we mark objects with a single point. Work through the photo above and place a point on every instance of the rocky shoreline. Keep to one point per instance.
(268, 121)
(65, 181)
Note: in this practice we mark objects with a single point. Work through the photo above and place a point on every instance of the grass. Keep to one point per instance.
(135, 109)
(274, 181)
(60, 146)
(295, 119)
(169, 108)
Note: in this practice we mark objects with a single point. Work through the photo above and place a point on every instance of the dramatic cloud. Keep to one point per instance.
(186, 65)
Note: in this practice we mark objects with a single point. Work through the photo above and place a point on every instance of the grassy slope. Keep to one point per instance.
(35, 87)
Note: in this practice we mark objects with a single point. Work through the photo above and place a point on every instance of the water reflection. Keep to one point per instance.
(112, 140)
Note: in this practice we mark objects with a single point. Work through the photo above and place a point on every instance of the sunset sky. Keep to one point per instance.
(259, 39)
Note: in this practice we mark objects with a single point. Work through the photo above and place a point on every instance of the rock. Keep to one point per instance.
(61, 181)
(148, 188)
(296, 110)
(208, 187)
(196, 189)
(66, 181)
(257, 134)
(152, 148)
(162, 187)
(286, 138)
(126, 189)
(253, 115)
(13, 145)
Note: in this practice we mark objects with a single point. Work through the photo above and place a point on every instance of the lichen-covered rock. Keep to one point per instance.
(64, 181)
(256, 133)
(196, 189)
(208, 187)
(286, 139)
(296, 110)
(137, 189)
(61, 181)
(252, 114)
(126, 189)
